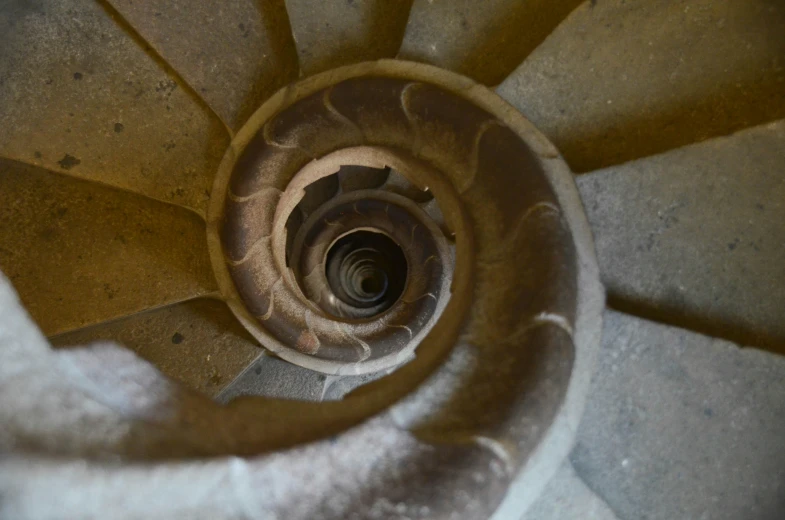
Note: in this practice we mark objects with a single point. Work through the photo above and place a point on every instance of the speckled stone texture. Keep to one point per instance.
(567, 498)
(233, 54)
(80, 253)
(342, 32)
(143, 96)
(107, 400)
(695, 237)
(680, 425)
(269, 376)
(198, 343)
(509, 416)
(80, 96)
(621, 80)
(483, 40)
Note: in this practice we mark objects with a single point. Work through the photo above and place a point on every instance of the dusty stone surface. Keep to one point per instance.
(78, 411)
(80, 253)
(331, 34)
(483, 40)
(680, 425)
(233, 54)
(198, 343)
(696, 237)
(567, 498)
(336, 387)
(621, 80)
(80, 96)
(534, 379)
(269, 376)
(510, 369)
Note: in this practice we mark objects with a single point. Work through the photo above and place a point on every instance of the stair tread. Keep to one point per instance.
(198, 343)
(567, 497)
(80, 253)
(79, 95)
(332, 34)
(619, 81)
(270, 376)
(483, 40)
(695, 236)
(233, 54)
(680, 425)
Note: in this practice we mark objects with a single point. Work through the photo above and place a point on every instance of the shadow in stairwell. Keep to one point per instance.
(739, 333)
(483, 40)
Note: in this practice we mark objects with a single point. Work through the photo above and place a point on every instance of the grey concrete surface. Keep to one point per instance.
(79, 95)
(680, 425)
(198, 343)
(696, 237)
(233, 54)
(619, 80)
(270, 376)
(80, 253)
(332, 34)
(483, 40)
(567, 498)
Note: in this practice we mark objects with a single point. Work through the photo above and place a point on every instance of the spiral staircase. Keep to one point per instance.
(124, 124)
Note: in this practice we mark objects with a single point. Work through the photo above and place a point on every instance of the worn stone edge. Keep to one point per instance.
(560, 437)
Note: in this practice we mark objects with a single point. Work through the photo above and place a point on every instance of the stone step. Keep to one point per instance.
(273, 377)
(332, 34)
(618, 81)
(79, 95)
(567, 498)
(680, 425)
(483, 40)
(233, 54)
(198, 343)
(80, 253)
(270, 376)
(696, 237)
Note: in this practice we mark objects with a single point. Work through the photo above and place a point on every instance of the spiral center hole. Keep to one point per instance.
(367, 271)
(372, 284)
